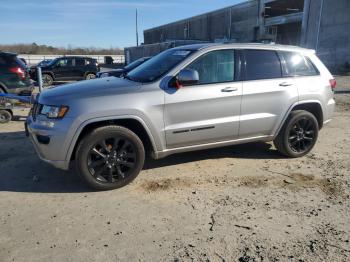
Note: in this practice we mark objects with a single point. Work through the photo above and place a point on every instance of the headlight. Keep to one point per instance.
(55, 112)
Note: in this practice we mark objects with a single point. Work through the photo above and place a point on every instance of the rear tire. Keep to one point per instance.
(110, 157)
(5, 116)
(298, 135)
(47, 80)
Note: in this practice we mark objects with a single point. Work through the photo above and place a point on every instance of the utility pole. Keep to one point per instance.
(137, 30)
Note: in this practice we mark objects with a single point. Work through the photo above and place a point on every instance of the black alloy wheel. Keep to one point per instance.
(298, 135)
(112, 159)
(302, 135)
(109, 157)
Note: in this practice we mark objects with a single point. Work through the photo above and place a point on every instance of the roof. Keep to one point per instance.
(8, 53)
(246, 46)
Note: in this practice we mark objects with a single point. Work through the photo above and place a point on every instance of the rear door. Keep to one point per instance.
(209, 110)
(267, 94)
(78, 71)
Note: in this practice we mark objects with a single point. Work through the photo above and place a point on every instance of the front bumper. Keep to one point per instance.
(52, 153)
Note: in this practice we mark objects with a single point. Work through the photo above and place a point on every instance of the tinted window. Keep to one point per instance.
(215, 67)
(297, 65)
(262, 64)
(79, 61)
(65, 62)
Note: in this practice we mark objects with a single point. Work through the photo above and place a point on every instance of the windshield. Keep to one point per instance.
(52, 62)
(158, 66)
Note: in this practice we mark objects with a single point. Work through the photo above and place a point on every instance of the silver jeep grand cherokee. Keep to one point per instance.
(184, 99)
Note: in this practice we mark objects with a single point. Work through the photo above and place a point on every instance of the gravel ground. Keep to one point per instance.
(242, 203)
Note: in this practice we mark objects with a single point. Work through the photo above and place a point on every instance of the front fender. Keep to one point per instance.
(81, 127)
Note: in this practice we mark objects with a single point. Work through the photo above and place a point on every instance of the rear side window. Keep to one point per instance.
(297, 65)
(79, 61)
(262, 64)
(215, 67)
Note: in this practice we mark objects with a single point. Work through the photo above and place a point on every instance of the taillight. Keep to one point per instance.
(19, 71)
(333, 83)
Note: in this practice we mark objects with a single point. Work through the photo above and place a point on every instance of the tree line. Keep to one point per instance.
(35, 49)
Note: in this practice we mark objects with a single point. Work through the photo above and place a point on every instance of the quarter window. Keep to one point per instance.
(297, 65)
(215, 67)
(262, 64)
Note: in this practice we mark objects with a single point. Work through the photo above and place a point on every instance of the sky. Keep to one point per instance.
(92, 23)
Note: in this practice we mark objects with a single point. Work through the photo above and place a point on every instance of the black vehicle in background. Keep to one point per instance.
(14, 76)
(67, 69)
(44, 62)
(123, 71)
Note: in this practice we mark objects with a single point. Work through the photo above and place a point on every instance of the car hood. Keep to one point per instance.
(87, 89)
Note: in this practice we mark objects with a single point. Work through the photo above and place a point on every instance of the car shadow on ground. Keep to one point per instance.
(258, 150)
(22, 171)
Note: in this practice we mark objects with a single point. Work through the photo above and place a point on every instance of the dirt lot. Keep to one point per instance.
(242, 203)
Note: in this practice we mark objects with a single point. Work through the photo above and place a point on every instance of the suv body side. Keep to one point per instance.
(193, 117)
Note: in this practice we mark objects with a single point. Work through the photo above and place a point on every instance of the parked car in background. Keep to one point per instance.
(67, 69)
(184, 99)
(24, 61)
(14, 75)
(123, 71)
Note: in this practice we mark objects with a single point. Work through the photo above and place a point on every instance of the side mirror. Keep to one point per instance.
(188, 77)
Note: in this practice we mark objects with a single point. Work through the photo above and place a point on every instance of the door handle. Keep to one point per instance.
(229, 89)
(286, 84)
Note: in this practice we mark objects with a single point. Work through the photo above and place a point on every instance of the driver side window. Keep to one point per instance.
(215, 67)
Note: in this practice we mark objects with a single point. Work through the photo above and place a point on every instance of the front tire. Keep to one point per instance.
(298, 135)
(90, 76)
(47, 80)
(110, 157)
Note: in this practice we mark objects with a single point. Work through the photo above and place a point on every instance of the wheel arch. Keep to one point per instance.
(49, 73)
(133, 123)
(312, 106)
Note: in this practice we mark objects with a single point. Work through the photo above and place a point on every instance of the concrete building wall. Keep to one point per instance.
(328, 31)
(237, 22)
(136, 52)
(323, 25)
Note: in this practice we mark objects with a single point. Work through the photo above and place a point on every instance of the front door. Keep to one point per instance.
(208, 111)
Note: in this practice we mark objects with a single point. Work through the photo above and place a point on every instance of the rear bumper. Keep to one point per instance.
(329, 111)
